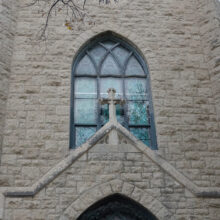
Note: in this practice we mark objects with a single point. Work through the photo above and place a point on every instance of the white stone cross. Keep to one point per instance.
(112, 101)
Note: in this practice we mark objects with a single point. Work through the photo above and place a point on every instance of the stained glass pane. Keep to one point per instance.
(85, 111)
(137, 113)
(83, 134)
(105, 114)
(121, 55)
(85, 66)
(85, 88)
(110, 82)
(134, 67)
(141, 134)
(110, 66)
(108, 44)
(98, 54)
(135, 89)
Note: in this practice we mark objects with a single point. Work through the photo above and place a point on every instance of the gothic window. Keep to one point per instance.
(109, 62)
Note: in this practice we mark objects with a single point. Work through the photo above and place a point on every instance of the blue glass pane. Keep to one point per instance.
(137, 113)
(85, 88)
(98, 54)
(110, 66)
(135, 89)
(85, 111)
(134, 67)
(106, 83)
(105, 114)
(141, 134)
(85, 66)
(121, 55)
(83, 134)
(108, 44)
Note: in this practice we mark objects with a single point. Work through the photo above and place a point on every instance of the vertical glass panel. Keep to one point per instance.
(85, 66)
(105, 114)
(141, 134)
(121, 55)
(85, 87)
(109, 44)
(110, 66)
(135, 89)
(98, 54)
(137, 113)
(106, 83)
(83, 134)
(85, 111)
(134, 67)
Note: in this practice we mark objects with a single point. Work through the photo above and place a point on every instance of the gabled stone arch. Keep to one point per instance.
(100, 191)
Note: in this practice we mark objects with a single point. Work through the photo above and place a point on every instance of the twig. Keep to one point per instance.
(77, 11)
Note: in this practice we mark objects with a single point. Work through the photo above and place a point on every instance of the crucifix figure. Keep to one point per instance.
(112, 101)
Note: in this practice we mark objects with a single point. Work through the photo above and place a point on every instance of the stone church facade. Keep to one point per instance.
(41, 178)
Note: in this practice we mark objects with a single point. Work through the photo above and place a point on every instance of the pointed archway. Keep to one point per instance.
(116, 207)
(99, 192)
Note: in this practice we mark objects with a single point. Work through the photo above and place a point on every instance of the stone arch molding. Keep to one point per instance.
(120, 31)
(100, 191)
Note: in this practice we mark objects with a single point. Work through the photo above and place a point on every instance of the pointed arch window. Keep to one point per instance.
(109, 62)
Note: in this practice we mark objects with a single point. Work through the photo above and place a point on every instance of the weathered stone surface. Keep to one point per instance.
(179, 40)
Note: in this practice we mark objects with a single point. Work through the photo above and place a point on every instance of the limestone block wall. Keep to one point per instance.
(105, 170)
(209, 22)
(7, 30)
(167, 33)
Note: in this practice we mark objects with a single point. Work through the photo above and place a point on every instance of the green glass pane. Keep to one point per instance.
(135, 89)
(105, 114)
(141, 134)
(83, 134)
(97, 53)
(85, 111)
(110, 66)
(137, 113)
(85, 66)
(134, 67)
(109, 82)
(85, 88)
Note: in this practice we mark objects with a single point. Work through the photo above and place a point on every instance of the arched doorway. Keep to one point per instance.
(116, 207)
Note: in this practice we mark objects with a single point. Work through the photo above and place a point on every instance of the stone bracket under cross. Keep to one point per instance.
(112, 101)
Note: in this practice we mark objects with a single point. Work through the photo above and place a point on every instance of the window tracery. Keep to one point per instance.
(109, 62)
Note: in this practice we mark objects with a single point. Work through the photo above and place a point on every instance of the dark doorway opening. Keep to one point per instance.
(116, 207)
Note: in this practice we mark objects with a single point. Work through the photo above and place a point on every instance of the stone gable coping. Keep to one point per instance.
(212, 192)
(59, 168)
(103, 190)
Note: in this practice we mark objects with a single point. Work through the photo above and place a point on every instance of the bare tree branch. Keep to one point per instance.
(48, 16)
(77, 12)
